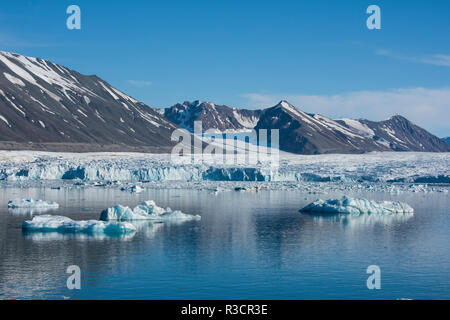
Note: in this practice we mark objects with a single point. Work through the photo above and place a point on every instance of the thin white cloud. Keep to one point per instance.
(438, 59)
(429, 108)
(435, 59)
(9, 41)
(140, 83)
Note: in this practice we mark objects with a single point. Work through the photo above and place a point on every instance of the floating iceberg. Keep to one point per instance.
(34, 204)
(133, 189)
(49, 223)
(348, 205)
(147, 210)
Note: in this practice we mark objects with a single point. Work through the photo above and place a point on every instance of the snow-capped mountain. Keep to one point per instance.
(402, 134)
(47, 106)
(221, 118)
(306, 133)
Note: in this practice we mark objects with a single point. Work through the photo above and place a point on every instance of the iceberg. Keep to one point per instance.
(133, 189)
(32, 204)
(348, 205)
(147, 210)
(60, 224)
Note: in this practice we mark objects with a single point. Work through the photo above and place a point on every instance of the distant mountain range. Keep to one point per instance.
(221, 118)
(45, 106)
(306, 133)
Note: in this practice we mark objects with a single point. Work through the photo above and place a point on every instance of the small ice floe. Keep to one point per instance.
(60, 224)
(217, 189)
(133, 189)
(100, 184)
(32, 204)
(348, 205)
(147, 210)
(254, 189)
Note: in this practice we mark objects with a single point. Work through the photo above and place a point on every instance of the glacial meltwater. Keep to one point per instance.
(247, 245)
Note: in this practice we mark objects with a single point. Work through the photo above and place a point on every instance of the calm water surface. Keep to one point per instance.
(247, 246)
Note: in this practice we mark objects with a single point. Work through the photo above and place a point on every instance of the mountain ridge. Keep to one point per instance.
(219, 117)
(46, 106)
(308, 133)
(46, 103)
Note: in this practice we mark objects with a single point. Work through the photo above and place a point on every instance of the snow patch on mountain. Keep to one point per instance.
(359, 127)
(14, 80)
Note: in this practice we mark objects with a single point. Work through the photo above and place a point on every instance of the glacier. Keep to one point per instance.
(148, 210)
(356, 206)
(383, 167)
(60, 224)
(32, 204)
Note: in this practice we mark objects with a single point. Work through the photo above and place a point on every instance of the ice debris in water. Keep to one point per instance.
(30, 203)
(133, 189)
(147, 210)
(49, 223)
(348, 205)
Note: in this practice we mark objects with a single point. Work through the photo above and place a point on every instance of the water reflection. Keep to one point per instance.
(57, 236)
(247, 245)
(145, 228)
(361, 220)
(30, 211)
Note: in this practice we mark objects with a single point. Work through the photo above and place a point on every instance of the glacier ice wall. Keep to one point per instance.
(373, 167)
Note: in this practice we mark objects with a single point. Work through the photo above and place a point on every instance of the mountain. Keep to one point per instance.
(402, 134)
(220, 118)
(446, 140)
(47, 106)
(306, 133)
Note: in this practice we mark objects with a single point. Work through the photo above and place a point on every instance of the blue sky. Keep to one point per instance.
(319, 55)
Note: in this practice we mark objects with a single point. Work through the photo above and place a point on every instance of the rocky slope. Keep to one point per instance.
(47, 106)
